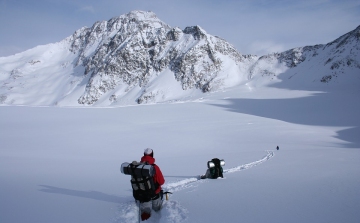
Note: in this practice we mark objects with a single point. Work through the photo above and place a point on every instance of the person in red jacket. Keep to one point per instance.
(156, 202)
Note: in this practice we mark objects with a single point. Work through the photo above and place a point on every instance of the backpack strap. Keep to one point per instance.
(145, 179)
(135, 177)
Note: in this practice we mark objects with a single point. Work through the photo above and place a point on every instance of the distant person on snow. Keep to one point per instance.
(156, 202)
(214, 170)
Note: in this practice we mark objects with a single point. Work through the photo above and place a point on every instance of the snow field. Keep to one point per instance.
(62, 164)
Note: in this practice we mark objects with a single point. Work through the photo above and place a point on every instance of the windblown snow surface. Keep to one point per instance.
(63, 164)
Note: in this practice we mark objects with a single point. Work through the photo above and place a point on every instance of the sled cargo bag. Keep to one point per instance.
(136, 168)
(215, 168)
(142, 181)
(211, 164)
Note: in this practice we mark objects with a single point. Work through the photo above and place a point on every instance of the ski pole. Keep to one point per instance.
(139, 212)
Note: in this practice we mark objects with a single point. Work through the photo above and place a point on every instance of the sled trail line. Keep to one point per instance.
(269, 155)
(187, 183)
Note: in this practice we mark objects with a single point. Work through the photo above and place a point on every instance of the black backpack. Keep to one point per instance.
(216, 170)
(142, 181)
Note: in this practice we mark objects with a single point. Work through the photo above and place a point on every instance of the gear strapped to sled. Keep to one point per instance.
(215, 167)
(142, 181)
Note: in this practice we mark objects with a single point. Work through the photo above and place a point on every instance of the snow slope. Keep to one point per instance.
(62, 164)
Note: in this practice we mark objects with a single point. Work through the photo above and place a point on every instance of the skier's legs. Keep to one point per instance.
(157, 203)
(145, 207)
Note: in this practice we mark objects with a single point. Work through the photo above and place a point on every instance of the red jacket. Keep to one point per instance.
(158, 177)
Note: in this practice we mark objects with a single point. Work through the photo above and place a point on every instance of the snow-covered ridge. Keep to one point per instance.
(331, 60)
(137, 58)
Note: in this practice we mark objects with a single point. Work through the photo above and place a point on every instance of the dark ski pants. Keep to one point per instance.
(155, 204)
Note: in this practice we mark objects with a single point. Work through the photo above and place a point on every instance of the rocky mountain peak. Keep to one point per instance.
(348, 38)
(132, 48)
(141, 15)
(196, 31)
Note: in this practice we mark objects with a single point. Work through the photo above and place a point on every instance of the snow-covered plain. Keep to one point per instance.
(62, 164)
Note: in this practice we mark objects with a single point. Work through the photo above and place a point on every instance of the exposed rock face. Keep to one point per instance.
(344, 51)
(132, 48)
(337, 55)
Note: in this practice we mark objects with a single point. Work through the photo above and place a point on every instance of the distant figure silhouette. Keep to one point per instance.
(277, 148)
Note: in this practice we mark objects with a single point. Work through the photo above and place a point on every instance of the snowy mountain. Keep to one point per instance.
(134, 50)
(337, 62)
(137, 58)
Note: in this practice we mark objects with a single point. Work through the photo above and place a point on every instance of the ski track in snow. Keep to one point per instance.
(269, 155)
(189, 182)
(172, 211)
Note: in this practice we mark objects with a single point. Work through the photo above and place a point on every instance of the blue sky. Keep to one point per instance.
(252, 26)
